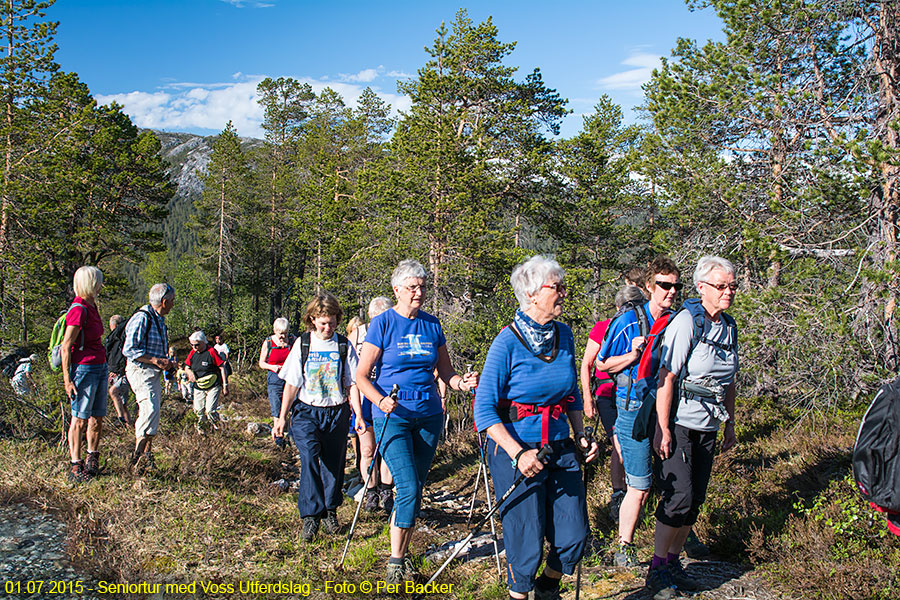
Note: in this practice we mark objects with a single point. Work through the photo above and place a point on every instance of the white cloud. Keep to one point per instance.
(632, 79)
(182, 106)
(364, 76)
(250, 3)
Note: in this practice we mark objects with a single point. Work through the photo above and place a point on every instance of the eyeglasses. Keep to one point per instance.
(559, 288)
(668, 285)
(733, 286)
(415, 288)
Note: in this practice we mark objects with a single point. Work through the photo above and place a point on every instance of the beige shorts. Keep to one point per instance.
(146, 383)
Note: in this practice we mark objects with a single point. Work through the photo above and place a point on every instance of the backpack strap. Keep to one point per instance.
(640, 313)
(269, 346)
(343, 350)
(305, 340)
(81, 347)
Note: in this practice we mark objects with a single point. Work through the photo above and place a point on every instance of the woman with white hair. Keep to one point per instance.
(85, 373)
(528, 398)
(380, 491)
(696, 394)
(274, 352)
(404, 345)
(206, 371)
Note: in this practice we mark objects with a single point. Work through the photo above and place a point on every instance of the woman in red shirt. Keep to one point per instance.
(85, 373)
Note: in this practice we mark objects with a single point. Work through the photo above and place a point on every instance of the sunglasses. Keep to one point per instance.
(668, 285)
(733, 286)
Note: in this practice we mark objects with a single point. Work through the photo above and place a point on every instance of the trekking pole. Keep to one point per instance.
(589, 436)
(393, 395)
(542, 454)
(483, 472)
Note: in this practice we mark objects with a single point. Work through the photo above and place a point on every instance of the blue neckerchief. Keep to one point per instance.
(539, 337)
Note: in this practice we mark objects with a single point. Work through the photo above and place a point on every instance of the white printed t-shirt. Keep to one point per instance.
(319, 385)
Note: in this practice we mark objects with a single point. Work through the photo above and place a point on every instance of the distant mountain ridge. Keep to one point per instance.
(188, 156)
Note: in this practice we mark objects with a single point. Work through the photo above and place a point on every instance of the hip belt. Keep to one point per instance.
(511, 411)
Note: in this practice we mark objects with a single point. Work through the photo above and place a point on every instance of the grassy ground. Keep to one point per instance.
(781, 504)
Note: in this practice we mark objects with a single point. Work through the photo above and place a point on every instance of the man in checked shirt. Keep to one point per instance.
(146, 346)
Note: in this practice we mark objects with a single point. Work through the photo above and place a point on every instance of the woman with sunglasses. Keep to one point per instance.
(619, 354)
(405, 344)
(699, 361)
(274, 352)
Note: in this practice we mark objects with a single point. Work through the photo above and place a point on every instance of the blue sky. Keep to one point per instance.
(192, 65)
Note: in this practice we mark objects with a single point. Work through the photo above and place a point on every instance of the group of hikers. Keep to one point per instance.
(387, 382)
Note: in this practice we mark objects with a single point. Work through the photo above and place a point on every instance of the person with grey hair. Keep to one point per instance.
(603, 401)
(696, 394)
(146, 343)
(22, 381)
(118, 384)
(206, 371)
(404, 345)
(274, 352)
(619, 354)
(528, 399)
(85, 373)
(380, 492)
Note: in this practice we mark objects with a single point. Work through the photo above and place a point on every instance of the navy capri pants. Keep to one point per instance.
(550, 505)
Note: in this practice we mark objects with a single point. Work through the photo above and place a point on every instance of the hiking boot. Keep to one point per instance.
(659, 583)
(370, 500)
(682, 580)
(280, 443)
(92, 464)
(542, 594)
(310, 528)
(386, 499)
(76, 472)
(142, 463)
(394, 574)
(409, 571)
(694, 548)
(615, 503)
(330, 522)
(626, 556)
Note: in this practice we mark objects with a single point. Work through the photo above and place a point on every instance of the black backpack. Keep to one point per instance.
(10, 362)
(115, 341)
(876, 454)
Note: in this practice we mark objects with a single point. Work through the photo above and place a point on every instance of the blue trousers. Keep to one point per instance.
(408, 447)
(321, 437)
(550, 505)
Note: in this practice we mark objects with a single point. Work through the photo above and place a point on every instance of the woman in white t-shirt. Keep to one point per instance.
(317, 376)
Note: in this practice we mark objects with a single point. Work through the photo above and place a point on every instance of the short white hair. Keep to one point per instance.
(707, 265)
(160, 292)
(198, 336)
(87, 281)
(378, 305)
(280, 325)
(407, 269)
(528, 277)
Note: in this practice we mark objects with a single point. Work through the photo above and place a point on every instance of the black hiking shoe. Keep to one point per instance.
(76, 472)
(682, 580)
(386, 499)
(551, 594)
(92, 464)
(310, 528)
(370, 500)
(694, 548)
(330, 522)
(659, 583)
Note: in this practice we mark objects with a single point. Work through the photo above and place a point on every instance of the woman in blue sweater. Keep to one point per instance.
(405, 344)
(528, 397)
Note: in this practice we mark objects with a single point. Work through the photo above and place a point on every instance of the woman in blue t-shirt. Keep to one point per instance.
(405, 344)
(528, 398)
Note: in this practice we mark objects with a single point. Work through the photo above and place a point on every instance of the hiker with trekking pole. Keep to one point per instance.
(405, 344)
(528, 400)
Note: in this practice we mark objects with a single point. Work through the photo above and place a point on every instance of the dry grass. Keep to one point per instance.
(779, 503)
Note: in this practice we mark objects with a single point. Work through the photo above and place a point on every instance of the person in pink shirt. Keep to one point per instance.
(85, 373)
